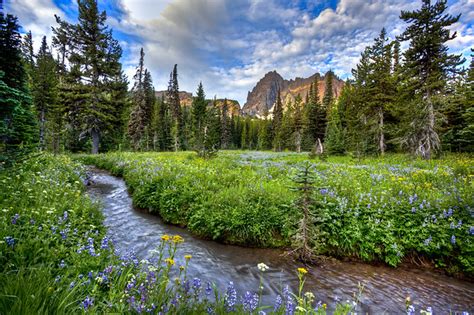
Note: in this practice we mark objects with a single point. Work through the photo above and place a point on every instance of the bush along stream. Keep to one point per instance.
(389, 210)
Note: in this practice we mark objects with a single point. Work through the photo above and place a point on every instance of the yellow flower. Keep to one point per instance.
(181, 268)
(302, 271)
(165, 237)
(187, 257)
(177, 239)
(325, 306)
(169, 261)
(177, 281)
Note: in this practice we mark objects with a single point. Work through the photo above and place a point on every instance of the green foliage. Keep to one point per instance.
(17, 121)
(383, 210)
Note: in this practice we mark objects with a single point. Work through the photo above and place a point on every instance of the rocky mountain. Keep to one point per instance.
(263, 95)
(186, 99)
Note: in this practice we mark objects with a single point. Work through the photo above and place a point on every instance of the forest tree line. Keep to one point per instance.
(74, 97)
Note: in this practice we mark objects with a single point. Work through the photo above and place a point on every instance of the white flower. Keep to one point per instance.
(262, 267)
(309, 295)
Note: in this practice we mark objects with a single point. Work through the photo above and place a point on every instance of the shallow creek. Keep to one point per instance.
(385, 289)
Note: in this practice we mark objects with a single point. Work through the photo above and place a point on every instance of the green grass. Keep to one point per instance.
(391, 209)
(55, 256)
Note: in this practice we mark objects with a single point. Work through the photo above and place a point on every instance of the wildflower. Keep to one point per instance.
(230, 297)
(428, 241)
(262, 267)
(471, 230)
(323, 191)
(429, 311)
(105, 243)
(63, 234)
(169, 261)
(188, 257)
(165, 237)
(177, 239)
(302, 271)
(9, 240)
(309, 296)
(57, 279)
(278, 302)
(72, 285)
(250, 301)
(15, 218)
(208, 288)
(453, 239)
(88, 302)
(196, 284)
(62, 264)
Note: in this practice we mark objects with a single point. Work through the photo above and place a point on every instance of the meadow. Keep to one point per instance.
(56, 257)
(389, 210)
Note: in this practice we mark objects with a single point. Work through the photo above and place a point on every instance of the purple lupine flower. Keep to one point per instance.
(250, 301)
(9, 240)
(290, 307)
(32, 221)
(471, 230)
(413, 209)
(323, 191)
(453, 239)
(230, 297)
(64, 233)
(411, 310)
(105, 243)
(278, 302)
(208, 288)
(15, 218)
(62, 264)
(197, 285)
(87, 303)
(72, 285)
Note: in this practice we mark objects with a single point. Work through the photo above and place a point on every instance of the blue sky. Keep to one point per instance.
(230, 44)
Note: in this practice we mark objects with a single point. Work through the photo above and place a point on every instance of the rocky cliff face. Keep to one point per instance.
(233, 106)
(263, 95)
(185, 98)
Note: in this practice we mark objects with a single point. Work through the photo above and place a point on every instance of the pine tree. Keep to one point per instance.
(327, 101)
(225, 125)
(44, 92)
(28, 55)
(427, 65)
(17, 121)
(297, 123)
(139, 125)
(199, 116)
(277, 124)
(94, 66)
(334, 134)
(313, 113)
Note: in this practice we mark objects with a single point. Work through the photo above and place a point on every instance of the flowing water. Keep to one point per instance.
(385, 289)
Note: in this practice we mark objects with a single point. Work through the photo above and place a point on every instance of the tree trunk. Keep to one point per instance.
(298, 142)
(42, 127)
(381, 135)
(95, 140)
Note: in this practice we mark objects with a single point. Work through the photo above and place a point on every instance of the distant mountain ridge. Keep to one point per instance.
(263, 96)
(186, 100)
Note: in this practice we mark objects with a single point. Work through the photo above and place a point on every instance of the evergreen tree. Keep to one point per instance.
(199, 116)
(313, 112)
(334, 134)
(427, 66)
(175, 107)
(44, 91)
(17, 121)
(327, 101)
(297, 123)
(143, 101)
(277, 124)
(94, 66)
(28, 54)
(225, 125)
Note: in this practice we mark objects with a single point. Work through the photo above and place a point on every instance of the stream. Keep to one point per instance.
(385, 289)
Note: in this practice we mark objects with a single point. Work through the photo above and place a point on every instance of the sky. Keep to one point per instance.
(229, 45)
